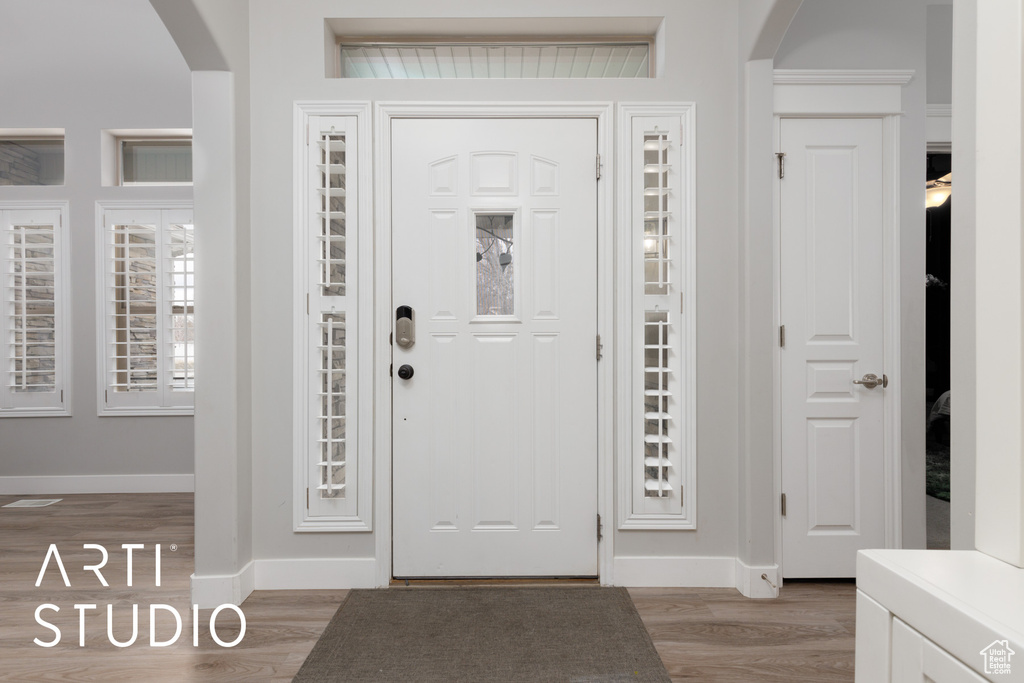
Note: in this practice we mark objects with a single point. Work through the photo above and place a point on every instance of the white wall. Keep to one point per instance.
(940, 54)
(86, 67)
(881, 34)
(701, 65)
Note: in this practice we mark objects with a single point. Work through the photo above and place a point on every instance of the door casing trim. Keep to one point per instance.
(877, 95)
(384, 114)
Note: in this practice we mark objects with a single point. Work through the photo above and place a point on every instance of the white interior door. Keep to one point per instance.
(494, 248)
(832, 306)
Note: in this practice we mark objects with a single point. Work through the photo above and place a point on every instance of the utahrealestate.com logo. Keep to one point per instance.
(166, 611)
(997, 657)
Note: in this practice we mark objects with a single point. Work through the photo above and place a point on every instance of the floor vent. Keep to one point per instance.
(36, 503)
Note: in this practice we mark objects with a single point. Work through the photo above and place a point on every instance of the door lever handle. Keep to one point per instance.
(871, 380)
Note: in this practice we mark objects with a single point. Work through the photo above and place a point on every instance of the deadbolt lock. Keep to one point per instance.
(405, 327)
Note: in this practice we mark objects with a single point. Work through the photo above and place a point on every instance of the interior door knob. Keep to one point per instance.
(871, 380)
(405, 372)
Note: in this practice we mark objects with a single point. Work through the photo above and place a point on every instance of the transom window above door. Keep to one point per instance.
(516, 60)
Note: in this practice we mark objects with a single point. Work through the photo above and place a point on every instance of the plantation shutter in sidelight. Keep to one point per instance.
(328, 241)
(662, 469)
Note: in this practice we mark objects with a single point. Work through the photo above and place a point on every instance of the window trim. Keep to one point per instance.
(110, 154)
(119, 153)
(631, 310)
(103, 408)
(30, 135)
(62, 316)
(360, 289)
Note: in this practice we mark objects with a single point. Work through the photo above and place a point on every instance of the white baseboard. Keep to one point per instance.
(675, 572)
(750, 583)
(98, 483)
(309, 573)
(319, 574)
(335, 573)
(342, 573)
(216, 590)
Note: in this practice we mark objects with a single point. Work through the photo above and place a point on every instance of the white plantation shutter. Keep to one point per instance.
(34, 301)
(661, 471)
(180, 253)
(661, 477)
(327, 484)
(147, 299)
(331, 381)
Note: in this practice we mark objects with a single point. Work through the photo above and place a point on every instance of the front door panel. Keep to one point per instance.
(494, 234)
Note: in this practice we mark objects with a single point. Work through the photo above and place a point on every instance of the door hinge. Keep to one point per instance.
(391, 370)
(106, 396)
(307, 497)
(781, 156)
(62, 396)
(600, 347)
(782, 336)
(599, 536)
(783, 504)
(598, 168)
(307, 303)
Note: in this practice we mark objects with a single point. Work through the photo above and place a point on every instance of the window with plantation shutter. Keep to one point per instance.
(332, 481)
(35, 304)
(661, 467)
(147, 302)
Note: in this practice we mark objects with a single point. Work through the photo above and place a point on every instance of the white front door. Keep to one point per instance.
(494, 252)
(832, 306)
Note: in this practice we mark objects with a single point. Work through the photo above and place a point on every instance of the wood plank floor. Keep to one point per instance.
(701, 634)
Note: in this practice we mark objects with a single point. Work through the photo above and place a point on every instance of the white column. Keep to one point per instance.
(757, 499)
(962, 278)
(999, 528)
(222, 529)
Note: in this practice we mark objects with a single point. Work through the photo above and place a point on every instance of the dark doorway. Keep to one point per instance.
(937, 265)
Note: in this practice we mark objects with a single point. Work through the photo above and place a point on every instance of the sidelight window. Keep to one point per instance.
(332, 482)
(661, 467)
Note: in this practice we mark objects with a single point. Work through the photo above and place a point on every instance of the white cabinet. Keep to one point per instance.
(915, 659)
(874, 641)
(938, 617)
